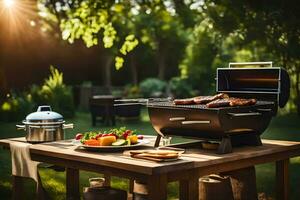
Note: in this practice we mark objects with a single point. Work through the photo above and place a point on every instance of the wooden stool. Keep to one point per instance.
(215, 187)
(243, 183)
(140, 190)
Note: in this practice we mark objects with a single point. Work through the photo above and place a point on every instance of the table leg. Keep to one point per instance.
(131, 185)
(157, 187)
(40, 190)
(107, 179)
(282, 179)
(72, 184)
(17, 187)
(189, 188)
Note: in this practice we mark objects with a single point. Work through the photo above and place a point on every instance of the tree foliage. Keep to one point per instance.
(274, 28)
(94, 22)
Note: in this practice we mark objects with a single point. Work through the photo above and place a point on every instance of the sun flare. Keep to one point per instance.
(9, 3)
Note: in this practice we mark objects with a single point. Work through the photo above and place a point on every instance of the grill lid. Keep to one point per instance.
(264, 82)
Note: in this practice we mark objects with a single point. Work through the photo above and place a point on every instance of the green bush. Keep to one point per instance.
(153, 87)
(180, 88)
(54, 93)
(132, 91)
(15, 107)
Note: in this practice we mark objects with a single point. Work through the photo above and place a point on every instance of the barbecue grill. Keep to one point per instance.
(231, 126)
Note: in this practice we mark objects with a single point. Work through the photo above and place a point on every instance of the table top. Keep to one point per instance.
(271, 150)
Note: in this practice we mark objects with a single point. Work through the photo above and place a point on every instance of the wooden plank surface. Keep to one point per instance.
(66, 150)
(269, 148)
(193, 158)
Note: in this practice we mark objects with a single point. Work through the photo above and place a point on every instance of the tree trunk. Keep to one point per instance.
(133, 68)
(298, 91)
(161, 60)
(3, 83)
(107, 73)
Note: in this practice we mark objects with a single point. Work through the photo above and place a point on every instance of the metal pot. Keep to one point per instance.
(44, 125)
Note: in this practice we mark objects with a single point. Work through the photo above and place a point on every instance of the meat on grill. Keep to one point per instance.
(242, 102)
(199, 99)
(231, 102)
(219, 103)
(183, 101)
(207, 99)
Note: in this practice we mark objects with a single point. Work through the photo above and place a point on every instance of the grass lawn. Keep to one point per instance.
(282, 127)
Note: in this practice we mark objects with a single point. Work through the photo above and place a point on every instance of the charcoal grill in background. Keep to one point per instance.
(231, 126)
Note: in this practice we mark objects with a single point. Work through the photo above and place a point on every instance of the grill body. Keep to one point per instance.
(231, 125)
(201, 122)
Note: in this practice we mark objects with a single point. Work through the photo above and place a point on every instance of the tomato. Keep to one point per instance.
(126, 133)
(140, 137)
(78, 136)
(98, 136)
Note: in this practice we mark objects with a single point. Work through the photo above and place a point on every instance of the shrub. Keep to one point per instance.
(15, 107)
(132, 91)
(153, 87)
(54, 93)
(180, 88)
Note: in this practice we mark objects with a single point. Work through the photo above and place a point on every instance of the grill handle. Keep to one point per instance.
(260, 64)
(172, 119)
(264, 109)
(196, 122)
(244, 114)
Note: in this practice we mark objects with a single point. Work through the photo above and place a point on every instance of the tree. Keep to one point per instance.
(118, 26)
(199, 57)
(162, 30)
(95, 23)
(274, 26)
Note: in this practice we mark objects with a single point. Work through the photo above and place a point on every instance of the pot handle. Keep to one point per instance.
(21, 127)
(44, 108)
(66, 126)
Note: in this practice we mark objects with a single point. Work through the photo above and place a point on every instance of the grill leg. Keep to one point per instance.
(225, 146)
(157, 141)
(251, 139)
(255, 140)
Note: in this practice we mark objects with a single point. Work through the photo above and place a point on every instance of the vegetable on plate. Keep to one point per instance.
(114, 137)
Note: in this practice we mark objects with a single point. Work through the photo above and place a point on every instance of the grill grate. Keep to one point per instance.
(200, 106)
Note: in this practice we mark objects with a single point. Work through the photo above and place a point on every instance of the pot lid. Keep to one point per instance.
(44, 113)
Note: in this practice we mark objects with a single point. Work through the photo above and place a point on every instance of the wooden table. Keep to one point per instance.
(194, 164)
